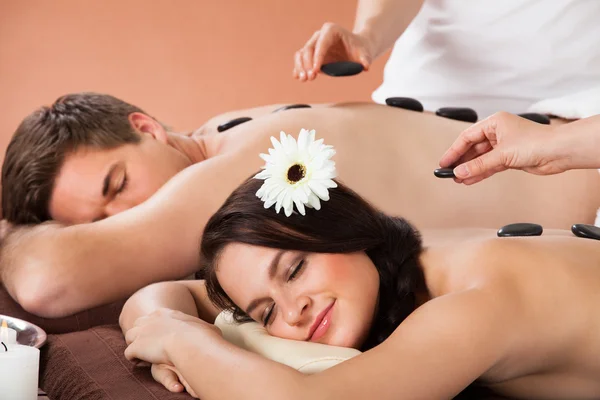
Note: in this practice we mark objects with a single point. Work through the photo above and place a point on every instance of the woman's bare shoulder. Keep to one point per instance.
(457, 265)
(504, 261)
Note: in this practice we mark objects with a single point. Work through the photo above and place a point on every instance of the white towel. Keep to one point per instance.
(573, 106)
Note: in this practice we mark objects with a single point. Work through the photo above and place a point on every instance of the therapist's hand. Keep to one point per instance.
(504, 141)
(329, 44)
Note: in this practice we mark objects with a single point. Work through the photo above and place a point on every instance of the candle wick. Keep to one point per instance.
(5, 348)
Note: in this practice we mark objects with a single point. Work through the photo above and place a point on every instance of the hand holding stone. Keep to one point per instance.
(500, 142)
(331, 43)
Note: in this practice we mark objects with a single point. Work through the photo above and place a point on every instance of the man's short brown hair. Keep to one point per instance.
(38, 148)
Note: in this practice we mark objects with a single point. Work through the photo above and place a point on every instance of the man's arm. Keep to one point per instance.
(53, 271)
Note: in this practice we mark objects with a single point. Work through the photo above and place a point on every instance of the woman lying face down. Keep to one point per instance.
(518, 315)
(344, 275)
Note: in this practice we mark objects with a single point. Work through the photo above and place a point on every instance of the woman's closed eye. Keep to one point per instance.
(295, 271)
(267, 314)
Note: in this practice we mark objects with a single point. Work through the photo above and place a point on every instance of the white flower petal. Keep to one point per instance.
(291, 147)
(301, 194)
(314, 202)
(269, 202)
(288, 204)
(313, 156)
(319, 190)
(300, 198)
(261, 191)
(325, 183)
(300, 207)
(276, 145)
(302, 138)
(324, 174)
(274, 192)
(329, 184)
(279, 201)
(264, 174)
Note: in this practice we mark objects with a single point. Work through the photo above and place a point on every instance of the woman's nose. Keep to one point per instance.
(117, 206)
(294, 311)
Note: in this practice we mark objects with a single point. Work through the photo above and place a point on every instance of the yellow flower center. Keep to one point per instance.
(296, 173)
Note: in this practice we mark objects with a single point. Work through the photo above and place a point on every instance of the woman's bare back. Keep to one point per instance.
(556, 353)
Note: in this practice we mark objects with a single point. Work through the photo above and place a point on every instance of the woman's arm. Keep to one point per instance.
(189, 297)
(439, 350)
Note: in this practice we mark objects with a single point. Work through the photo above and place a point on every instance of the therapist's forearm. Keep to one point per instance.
(383, 21)
(579, 143)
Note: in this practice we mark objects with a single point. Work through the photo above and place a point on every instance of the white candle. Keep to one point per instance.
(19, 366)
(7, 335)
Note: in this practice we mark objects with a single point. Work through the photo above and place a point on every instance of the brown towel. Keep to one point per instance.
(103, 315)
(90, 365)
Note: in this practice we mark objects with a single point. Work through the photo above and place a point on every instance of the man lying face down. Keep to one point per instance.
(91, 156)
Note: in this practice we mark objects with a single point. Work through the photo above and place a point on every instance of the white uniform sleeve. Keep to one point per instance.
(583, 104)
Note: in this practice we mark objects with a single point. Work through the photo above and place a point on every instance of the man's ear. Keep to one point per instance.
(144, 124)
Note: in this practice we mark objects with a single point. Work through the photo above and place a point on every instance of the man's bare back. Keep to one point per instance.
(386, 154)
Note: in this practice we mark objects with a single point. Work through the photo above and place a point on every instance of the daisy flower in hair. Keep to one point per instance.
(297, 172)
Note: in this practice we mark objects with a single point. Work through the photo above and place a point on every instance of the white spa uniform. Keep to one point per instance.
(494, 55)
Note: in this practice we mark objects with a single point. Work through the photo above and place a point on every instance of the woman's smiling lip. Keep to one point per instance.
(321, 324)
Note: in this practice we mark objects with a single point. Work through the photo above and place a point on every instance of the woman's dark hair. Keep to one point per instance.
(344, 224)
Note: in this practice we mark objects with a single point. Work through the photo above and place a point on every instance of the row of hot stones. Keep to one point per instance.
(458, 113)
(407, 103)
(347, 68)
(528, 229)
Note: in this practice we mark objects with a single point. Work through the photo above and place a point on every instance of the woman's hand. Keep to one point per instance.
(171, 379)
(330, 44)
(152, 335)
(505, 141)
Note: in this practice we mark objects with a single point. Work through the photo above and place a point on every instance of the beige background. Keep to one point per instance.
(182, 61)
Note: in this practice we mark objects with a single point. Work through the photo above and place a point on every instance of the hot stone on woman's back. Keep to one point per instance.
(586, 231)
(520, 229)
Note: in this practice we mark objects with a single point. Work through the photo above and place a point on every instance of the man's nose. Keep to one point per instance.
(294, 310)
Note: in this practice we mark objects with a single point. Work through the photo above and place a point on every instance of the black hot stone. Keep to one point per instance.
(535, 117)
(291, 106)
(586, 231)
(520, 229)
(232, 123)
(405, 102)
(342, 68)
(444, 173)
(458, 113)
